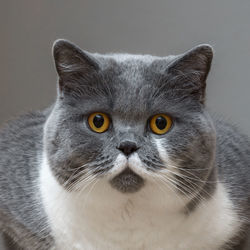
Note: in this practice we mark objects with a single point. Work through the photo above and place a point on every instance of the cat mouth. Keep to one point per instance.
(127, 181)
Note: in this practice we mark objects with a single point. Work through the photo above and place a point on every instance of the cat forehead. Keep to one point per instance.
(132, 80)
(126, 57)
(133, 70)
(133, 62)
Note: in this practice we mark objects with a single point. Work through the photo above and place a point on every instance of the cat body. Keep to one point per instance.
(66, 185)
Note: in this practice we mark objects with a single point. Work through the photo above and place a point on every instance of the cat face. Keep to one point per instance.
(131, 120)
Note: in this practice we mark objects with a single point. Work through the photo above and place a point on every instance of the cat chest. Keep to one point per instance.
(81, 221)
(128, 230)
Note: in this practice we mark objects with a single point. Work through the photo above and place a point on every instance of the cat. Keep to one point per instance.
(127, 157)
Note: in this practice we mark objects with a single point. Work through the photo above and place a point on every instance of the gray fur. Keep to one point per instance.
(21, 211)
(130, 89)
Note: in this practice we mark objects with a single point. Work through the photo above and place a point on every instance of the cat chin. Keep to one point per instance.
(127, 181)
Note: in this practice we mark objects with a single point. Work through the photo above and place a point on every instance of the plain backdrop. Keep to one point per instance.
(160, 27)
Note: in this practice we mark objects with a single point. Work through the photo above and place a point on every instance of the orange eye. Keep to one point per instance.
(160, 124)
(99, 122)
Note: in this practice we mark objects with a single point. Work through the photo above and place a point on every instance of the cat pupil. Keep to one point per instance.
(161, 122)
(98, 121)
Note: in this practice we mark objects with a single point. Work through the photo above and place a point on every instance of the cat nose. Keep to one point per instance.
(128, 147)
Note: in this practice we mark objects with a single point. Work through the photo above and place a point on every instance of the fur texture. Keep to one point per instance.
(65, 186)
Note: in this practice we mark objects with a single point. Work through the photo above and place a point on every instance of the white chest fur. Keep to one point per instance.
(101, 218)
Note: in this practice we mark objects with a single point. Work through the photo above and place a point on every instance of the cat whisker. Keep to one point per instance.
(160, 165)
(182, 176)
(199, 198)
(93, 168)
(186, 190)
(194, 185)
(168, 184)
(196, 178)
(84, 178)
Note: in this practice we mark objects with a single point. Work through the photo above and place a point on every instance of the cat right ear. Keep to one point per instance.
(74, 66)
(191, 69)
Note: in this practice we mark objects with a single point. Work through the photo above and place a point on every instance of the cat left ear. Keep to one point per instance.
(72, 64)
(193, 66)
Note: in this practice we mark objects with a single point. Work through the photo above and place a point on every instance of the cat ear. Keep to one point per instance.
(192, 69)
(72, 64)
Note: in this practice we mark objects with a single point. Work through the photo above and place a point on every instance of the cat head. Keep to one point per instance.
(131, 120)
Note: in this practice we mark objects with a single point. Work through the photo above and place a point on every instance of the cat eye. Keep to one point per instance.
(98, 122)
(160, 124)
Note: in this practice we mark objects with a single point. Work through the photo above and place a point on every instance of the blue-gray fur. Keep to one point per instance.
(21, 211)
(130, 89)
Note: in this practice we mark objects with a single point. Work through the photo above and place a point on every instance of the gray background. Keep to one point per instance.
(161, 27)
